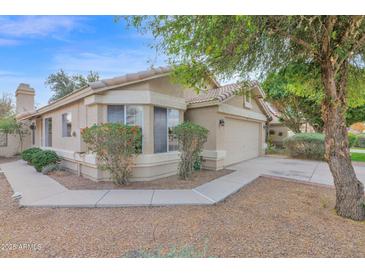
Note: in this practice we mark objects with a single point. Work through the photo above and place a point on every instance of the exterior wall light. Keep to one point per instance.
(221, 122)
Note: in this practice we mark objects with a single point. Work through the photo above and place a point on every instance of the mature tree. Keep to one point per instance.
(297, 89)
(9, 125)
(6, 105)
(62, 84)
(284, 89)
(238, 46)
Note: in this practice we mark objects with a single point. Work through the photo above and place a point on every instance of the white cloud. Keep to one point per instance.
(9, 42)
(20, 26)
(108, 64)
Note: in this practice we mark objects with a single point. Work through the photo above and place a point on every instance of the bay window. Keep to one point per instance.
(164, 122)
(125, 114)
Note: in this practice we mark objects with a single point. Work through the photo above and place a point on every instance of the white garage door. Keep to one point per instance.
(241, 139)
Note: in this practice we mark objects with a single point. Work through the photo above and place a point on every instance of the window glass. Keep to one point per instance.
(66, 125)
(160, 130)
(248, 97)
(172, 121)
(48, 132)
(3, 139)
(116, 114)
(134, 115)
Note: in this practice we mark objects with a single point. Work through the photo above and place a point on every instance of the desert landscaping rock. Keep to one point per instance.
(267, 218)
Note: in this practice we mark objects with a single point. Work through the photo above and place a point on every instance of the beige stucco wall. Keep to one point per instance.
(237, 101)
(208, 118)
(13, 145)
(275, 138)
(223, 139)
(12, 148)
(78, 120)
(86, 113)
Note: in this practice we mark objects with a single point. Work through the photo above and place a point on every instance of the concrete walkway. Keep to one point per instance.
(357, 150)
(39, 190)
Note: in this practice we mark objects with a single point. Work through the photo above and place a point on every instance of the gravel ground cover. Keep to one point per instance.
(72, 181)
(267, 218)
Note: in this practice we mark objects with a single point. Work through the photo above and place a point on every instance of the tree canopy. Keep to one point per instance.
(62, 83)
(244, 47)
(6, 105)
(297, 90)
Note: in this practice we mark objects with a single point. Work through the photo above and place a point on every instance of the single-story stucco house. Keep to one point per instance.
(151, 100)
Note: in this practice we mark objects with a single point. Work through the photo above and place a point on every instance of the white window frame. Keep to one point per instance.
(125, 117)
(62, 133)
(247, 103)
(167, 127)
(125, 113)
(43, 143)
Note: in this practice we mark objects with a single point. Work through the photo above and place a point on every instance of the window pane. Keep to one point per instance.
(66, 125)
(116, 114)
(48, 132)
(248, 97)
(172, 121)
(134, 115)
(160, 130)
(3, 139)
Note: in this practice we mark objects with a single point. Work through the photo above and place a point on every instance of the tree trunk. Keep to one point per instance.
(349, 190)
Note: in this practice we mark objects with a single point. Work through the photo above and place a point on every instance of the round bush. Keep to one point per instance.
(28, 153)
(360, 141)
(44, 158)
(352, 139)
(306, 146)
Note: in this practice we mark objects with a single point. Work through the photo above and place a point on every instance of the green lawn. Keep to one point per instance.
(359, 148)
(358, 157)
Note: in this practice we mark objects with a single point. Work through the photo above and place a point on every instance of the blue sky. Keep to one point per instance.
(32, 47)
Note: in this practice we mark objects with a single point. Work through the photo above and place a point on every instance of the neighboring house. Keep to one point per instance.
(357, 128)
(149, 99)
(10, 143)
(277, 131)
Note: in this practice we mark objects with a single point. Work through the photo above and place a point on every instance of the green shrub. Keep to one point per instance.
(306, 146)
(28, 153)
(360, 141)
(52, 168)
(198, 164)
(352, 139)
(115, 146)
(191, 138)
(44, 158)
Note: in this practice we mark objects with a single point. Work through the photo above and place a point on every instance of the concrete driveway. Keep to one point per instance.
(303, 170)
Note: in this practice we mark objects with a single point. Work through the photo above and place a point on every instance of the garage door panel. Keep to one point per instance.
(241, 140)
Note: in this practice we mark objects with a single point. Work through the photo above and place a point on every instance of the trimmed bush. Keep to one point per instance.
(191, 138)
(115, 146)
(360, 141)
(352, 139)
(44, 158)
(306, 146)
(28, 153)
(52, 168)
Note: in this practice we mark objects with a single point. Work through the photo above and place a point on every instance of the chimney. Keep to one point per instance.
(24, 98)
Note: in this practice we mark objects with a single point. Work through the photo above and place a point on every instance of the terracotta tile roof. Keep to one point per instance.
(220, 94)
(131, 77)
